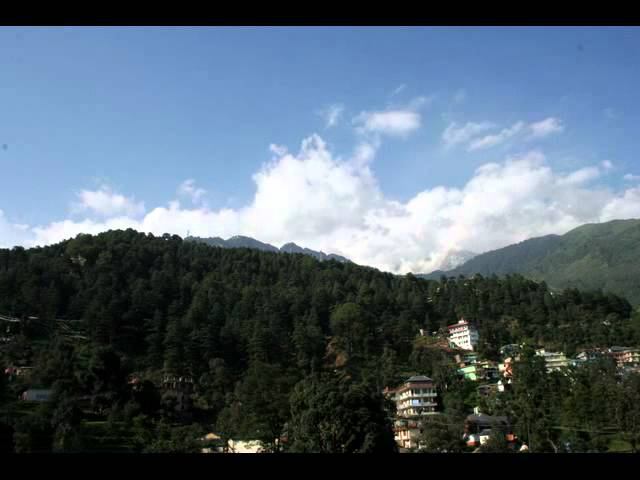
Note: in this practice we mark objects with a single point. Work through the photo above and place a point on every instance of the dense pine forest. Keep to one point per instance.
(282, 348)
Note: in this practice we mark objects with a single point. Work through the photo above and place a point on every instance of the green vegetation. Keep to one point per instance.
(150, 342)
(591, 257)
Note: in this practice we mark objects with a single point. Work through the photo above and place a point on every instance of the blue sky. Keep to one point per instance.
(135, 112)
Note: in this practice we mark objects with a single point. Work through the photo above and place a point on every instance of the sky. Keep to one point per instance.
(392, 146)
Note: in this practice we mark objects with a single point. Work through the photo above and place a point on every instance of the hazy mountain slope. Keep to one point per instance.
(593, 256)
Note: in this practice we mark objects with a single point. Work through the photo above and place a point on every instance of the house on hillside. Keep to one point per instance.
(245, 446)
(470, 372)
(479, 427)
(414, 399)
(625, 356)
(554, 361)
(511, 350)
(590, 355)
(463, 335)
(15, 372)
(479, 371)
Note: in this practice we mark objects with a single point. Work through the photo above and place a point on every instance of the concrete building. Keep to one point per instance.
(479, 427)
(625, 356)
(414, 399)
(555, 361)
(463, 335)
(589, 355)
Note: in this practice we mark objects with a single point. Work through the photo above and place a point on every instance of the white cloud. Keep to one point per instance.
(583, 175)
(12, 233)
(631, 178)
(399, 123)
(455, 134)
(607, 164)
(625, 206)
(496, 139)
(323, 202)
(546, 127)
(332, 114)
(470, 133)
(106, 203)
(395, 122)
(58, 231)
(278, 150)
(188, 189)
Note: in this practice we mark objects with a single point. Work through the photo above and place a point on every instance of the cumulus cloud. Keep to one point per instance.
(470, 133)
(625, 206)
(546, 127)
(394, 122)
(580, 176)
(496, 139)
(322, 201)
(11, 233)
(106, 203)
(455, 134)
(398, 123)
(188, 189)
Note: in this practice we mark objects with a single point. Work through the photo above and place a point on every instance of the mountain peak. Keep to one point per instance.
(241, 241)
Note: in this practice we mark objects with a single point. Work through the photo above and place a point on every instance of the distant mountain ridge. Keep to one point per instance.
(590, 257)
(240, 241)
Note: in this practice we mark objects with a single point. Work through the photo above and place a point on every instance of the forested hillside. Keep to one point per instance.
(591, 257)
(250, 328)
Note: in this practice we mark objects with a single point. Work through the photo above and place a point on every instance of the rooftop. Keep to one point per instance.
(487, 419)
(460, 323)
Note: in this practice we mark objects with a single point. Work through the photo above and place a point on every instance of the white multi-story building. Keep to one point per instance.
(414, 399)
(463, 335)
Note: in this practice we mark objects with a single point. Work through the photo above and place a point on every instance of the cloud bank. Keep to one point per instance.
(325, 202)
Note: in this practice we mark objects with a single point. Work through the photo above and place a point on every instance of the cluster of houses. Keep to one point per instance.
(627, 359)
(213, 443)
(416, 398)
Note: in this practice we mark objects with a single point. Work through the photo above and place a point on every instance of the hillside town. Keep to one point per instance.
(416, 399)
